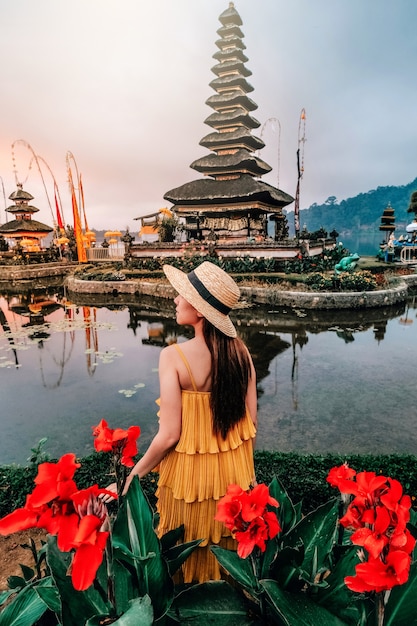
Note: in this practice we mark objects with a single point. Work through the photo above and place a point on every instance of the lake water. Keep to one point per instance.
(327, 382)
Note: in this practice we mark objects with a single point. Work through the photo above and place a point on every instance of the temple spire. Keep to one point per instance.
(230, 202)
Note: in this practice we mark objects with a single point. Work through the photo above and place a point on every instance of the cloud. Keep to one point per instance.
(123, 87)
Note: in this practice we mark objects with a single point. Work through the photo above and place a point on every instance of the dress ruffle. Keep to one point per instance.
(196, 474)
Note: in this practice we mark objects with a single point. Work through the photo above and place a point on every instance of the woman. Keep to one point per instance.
(207, 416)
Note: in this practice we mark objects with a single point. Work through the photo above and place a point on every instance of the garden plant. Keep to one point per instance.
(349, 561)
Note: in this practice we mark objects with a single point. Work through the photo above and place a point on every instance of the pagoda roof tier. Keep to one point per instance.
(231, 42)
(231, 99)
(238, 117)
(227, 195)
(24, 227)
(239, 138)
(240, 162)
(230, 54)
(22, 208)
(19, 194)
(228, 30)
(230, 16)
(221, 83)
(234, 65)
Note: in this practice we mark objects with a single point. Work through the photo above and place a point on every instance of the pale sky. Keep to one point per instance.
(122, 85)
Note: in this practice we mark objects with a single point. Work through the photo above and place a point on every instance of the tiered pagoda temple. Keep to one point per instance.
(231, 203)
(23, 229)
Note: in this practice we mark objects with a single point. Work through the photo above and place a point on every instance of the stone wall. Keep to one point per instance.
(257, 295)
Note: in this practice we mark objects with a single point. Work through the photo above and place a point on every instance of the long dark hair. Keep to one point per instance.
(230, 374)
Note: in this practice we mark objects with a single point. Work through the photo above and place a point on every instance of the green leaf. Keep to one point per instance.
(336, 597)
(317, 532)
(287, 514)
(48, 592)
(16, 582)
(77, 606)
(134, 535)
(400, 609)
(240, 569)
(171, 538)
(176, 555)
(139, 613)
(28, 572)
(297, 609)
(286, 569)
(214, 602)
(24, 610)
(5, 595)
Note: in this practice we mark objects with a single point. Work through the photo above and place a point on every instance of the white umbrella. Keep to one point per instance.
(410, 228)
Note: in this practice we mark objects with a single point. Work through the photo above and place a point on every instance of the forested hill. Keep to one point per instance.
(359, 213)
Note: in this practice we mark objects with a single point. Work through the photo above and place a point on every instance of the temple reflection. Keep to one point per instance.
(267, 333)
(67, 363)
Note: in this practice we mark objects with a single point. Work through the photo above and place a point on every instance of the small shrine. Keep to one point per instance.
(231, 203)
(25, 231)
(387, 225)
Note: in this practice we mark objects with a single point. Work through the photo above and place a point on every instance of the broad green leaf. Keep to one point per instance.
(171, 538)
(139, 613)
(240, 569)
(336, 597)
(176, 555)
(317, 532)
(401, 606)
(297, 609)
(48, 592)
(77, 606)
(15, 582)
(286, 511)
(28, 572)
(5, 595)
(24, 610)
(269, 556)
(133, 533)
(214, 602)
(286, 569)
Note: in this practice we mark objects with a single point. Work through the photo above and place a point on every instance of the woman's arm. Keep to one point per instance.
(169, 416)
(251, 395)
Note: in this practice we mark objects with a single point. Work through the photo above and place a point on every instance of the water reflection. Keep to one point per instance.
(327, 381)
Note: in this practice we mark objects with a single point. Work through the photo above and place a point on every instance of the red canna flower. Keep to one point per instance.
(74, 516)
(89, 541)
(229, 508)
(103, 441)
(378, 513)
(49, 502)
(87, 559)
(246, 515)
(374, 539)
(342, 477)
(255, 534)
(254, 505)
(119, 441)
(21, 519)
(55, 480)
(377, 575)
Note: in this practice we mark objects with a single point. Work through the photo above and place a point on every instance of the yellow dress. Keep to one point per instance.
(196, 474)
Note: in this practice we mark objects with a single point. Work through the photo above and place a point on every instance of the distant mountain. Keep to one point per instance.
(363, 212)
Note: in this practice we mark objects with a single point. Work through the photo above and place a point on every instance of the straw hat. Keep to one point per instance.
(209, 290)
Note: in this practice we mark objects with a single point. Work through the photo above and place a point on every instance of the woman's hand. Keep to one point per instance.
(108, 498)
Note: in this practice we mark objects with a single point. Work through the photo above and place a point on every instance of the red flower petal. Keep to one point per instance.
(67, 530)
(87, 560)
(87, 530)
(20, 519)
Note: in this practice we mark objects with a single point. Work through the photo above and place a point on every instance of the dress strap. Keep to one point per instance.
(187, 365)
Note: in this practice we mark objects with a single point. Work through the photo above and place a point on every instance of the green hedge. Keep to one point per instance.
(303, 476)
